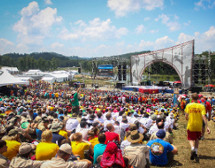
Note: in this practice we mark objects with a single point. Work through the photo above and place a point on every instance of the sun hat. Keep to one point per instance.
(25, 148)
(135, 137)
(56, 126)
(12, 132)
(66, 148)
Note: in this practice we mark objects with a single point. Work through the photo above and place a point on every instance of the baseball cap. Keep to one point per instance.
(66, 148)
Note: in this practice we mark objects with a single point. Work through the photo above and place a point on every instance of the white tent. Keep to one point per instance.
(49, 79)
(11, 69)
(7, 79)
(60, 77)
(34, 72)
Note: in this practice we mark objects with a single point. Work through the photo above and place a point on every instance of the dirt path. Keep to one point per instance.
(206, 148)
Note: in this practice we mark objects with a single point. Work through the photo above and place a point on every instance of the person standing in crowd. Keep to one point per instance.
(195, 114)
(74, 101)
(208, 109)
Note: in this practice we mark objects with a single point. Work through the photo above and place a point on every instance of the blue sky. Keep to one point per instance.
(96, 28)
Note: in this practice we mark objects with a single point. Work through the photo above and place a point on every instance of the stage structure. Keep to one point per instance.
(105, 70)
(202, 70)
(179, 57)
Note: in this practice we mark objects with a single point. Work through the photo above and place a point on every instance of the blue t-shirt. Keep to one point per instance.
(158, 151)
(98, 150)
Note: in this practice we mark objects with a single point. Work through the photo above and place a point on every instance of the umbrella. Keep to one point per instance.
(209, 85)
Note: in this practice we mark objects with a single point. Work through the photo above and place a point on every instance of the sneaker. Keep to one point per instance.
(202, 138)
(193, 153)
(196, 158)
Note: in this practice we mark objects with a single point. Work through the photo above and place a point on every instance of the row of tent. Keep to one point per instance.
(6, 77)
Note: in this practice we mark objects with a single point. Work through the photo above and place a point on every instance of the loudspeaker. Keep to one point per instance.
(79, 70)
(120, 85)
(119, 73)
(124, 72)
(196, 89)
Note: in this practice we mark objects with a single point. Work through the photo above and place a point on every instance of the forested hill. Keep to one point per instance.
(49, 60)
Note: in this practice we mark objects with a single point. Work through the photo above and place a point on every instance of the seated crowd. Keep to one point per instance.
(40, 132)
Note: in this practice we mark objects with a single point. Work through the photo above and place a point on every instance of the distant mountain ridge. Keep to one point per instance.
(50, 55)
(46, 61)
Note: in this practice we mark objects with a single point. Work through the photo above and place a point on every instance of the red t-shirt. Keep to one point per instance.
(207, 105)
(111, 136)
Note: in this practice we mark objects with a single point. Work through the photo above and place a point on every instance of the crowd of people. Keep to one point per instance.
(52, 126)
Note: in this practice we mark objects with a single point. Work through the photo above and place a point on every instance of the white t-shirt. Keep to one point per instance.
(71, 124)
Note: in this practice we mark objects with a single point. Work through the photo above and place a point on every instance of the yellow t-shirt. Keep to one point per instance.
(12, 149)
(195, 111)
(94, 141)
(46, 150)
(56, 95)
(78, 148)
(63, 133)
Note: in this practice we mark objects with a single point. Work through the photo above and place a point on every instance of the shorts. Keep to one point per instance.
(75, 109)
(193, 135)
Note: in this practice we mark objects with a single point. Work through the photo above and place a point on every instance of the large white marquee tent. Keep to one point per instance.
(7, 79)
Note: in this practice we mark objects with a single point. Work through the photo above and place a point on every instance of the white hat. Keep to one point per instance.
(25, 148)
(66, 148)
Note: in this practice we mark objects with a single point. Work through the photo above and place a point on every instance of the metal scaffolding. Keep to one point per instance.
(201, 70)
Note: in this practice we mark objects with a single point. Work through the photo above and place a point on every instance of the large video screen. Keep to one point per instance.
(105, 70)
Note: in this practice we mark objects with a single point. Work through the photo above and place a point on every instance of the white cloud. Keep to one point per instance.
(35, 24)
(172, 25)
(164, 18)
(57, 45)
(187, 23)
(163, 42)
(183, 38)
(93, 30)
(205, 4)
(122, 7)
(203, 42)
(139, 29)
(154, 31)
(146, 18)
(48, 2)
(159, 43)
(5, 46)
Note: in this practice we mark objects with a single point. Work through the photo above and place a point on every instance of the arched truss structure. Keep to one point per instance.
(179, 57)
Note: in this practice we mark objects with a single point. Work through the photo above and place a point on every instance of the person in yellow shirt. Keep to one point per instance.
(13, 142)
(45, 150)
(62, 132)
(93, 136)
(79, 147)
(195, 114)
(4, 162)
